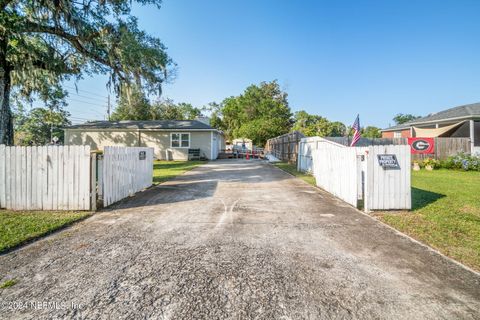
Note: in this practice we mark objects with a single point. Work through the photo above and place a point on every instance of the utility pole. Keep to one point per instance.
(108, 108)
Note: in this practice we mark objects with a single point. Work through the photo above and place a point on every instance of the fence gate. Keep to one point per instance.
(373, 177)
(123, 172)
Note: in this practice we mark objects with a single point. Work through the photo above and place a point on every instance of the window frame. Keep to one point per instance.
(397, 134)
(180, 140)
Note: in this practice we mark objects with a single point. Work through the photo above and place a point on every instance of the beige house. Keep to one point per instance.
(171, 139)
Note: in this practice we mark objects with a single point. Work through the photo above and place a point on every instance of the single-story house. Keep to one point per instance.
(458, 122)
(171, 139)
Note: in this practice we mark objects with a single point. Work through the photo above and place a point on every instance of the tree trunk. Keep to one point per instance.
(6, 121)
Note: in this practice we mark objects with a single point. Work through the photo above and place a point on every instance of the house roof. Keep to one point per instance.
(150, 124)
(457, 113)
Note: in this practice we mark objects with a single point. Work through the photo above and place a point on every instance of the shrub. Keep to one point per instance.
(431, 162)
(462, 161)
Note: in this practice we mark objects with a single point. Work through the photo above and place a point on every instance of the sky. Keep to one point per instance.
(334, 58)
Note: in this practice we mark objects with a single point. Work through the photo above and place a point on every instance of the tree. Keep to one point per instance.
(168, 110)
(260, 113)
(135, 106)
(315, 125)
(188, 111)
(43, 43)
(371, 132)
(215, 111)
(305, 123)
(132, 105)
(38, 126)
(401, 118)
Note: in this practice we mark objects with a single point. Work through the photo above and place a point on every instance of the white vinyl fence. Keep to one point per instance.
(354, 174)
(124, 171)
(45, 178)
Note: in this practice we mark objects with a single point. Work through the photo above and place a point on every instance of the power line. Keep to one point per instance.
(86, 97)
(90, 92)
(88, 102)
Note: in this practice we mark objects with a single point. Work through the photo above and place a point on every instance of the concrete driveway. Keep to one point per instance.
(237, 240)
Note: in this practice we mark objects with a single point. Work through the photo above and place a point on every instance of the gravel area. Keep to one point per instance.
(234, 239)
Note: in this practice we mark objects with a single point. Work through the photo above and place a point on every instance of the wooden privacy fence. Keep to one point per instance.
(446, 147)
(65, 177)
(354, 174)
(123, 172)
(285, 147)
(45, 178)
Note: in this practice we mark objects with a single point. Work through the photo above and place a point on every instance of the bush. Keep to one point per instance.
(431, 162)
(462, 161)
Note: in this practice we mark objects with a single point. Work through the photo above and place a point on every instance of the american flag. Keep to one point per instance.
(356, 135)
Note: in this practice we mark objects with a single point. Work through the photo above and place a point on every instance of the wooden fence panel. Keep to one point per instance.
(124, 173)
(446, 147)
(354, 173)
(285, 147)
(41, 178)
(334, 167)
(3, 180)
(388, 189)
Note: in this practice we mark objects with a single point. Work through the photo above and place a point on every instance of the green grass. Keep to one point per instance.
(18, 227)
(292, 169)
(445, 214)
(167, 170)
(8, 283)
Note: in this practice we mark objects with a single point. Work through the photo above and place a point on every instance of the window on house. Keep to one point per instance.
(397, 134)
(180, 140)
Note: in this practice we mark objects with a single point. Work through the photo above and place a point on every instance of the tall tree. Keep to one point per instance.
(215, 111)
(132, 105)
(43, 43)
(135, 106)
(315, 125)
(38, 126)
(401, 118)
(260, 113)
(168, 110)
(371, 132)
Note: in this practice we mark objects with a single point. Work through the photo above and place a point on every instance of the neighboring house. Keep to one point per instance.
(170, 139)
(458, 122)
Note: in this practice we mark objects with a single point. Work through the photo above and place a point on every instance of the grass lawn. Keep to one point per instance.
(17, 227)
(167, 170)
(292, 169)
(445, 213)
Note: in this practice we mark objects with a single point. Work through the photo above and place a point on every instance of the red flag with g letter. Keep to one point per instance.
(422, 145)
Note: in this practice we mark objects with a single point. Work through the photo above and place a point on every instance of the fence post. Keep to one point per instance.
(93, 182)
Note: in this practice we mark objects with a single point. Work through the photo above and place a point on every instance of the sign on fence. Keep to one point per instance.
(45, 178)
(388, 161)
